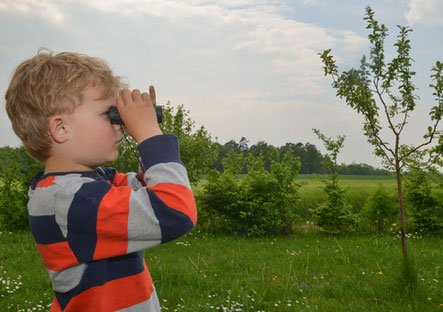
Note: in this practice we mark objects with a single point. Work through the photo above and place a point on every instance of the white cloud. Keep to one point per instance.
(425, 12)
(256, 26)
(349, 41)
(44, 8)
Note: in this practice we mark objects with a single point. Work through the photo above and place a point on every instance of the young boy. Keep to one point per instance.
(91, 223)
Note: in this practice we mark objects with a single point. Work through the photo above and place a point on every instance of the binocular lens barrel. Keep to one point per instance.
(115, 119)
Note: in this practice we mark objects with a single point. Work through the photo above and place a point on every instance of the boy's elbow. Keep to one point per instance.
(176, 227)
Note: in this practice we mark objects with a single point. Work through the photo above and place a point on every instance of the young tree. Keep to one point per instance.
(367, 91)
(334, 216)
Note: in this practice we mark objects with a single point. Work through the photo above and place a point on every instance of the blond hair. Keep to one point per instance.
(50, 84)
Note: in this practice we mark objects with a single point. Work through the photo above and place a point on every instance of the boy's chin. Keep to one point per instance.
(107, 161)
(114, 157)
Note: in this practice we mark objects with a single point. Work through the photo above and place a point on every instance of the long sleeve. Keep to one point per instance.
(160, 212)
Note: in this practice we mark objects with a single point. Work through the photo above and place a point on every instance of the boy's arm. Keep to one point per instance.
(140, 120)
(134, 219)
(105, 221)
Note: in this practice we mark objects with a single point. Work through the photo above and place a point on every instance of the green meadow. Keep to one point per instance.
(306, 271)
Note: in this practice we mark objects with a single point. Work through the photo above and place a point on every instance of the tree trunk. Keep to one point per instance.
(402, 215)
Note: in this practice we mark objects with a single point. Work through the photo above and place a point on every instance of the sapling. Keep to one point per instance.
(379, 90)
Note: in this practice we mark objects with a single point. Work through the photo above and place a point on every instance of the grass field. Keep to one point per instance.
(304, 272)
(347, 177)
(357, 192)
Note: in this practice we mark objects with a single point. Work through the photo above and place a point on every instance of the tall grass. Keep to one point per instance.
(305, 272)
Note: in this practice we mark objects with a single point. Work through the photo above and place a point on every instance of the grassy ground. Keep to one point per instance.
(304, 272)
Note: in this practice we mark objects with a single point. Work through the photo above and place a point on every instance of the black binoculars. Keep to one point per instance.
(115, 119)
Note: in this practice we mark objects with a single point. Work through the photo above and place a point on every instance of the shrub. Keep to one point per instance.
(334, 216)
(217, 203)
(16, 172)
(380, 208)
(423, 206)
(262, 203)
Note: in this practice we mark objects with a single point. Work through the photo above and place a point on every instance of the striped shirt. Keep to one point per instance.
(90, 228)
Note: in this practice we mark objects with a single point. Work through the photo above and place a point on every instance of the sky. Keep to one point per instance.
(242, 68)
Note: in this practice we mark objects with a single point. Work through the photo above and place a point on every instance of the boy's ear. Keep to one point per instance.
(58, 128)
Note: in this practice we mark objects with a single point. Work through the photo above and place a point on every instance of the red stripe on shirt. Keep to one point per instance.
(55, 306)
(178, 197)
(115, 295)
(48, 181)
(58, 256)
(112, 223)
(120, 179)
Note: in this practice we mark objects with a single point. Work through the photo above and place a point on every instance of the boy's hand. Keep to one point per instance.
(138, 113)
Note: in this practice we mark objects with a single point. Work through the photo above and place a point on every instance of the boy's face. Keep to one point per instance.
(93, 140)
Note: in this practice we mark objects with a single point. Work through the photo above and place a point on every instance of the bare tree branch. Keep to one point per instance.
(386, 110)
(404, 121)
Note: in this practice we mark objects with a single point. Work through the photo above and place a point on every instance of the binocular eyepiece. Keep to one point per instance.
(115, 118)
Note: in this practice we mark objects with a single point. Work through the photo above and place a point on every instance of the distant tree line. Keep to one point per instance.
(310, 157)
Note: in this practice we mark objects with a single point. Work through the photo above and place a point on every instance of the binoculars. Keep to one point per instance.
(115, 119)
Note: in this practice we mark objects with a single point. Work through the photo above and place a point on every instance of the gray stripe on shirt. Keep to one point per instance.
(63, 281)
(167, 172)
(143, 226)
(133, 181)
(41, 202)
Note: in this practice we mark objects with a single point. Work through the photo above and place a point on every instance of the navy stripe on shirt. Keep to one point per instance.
(107, 172)
(46, 230)
(160, 149)
(173, 223)
(100, 272)
(82, 219)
